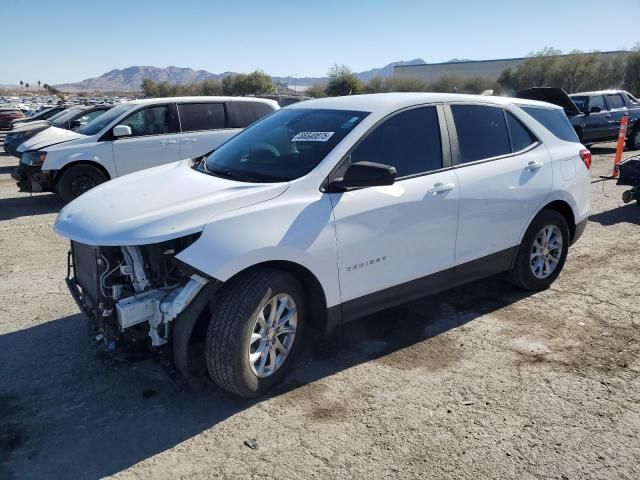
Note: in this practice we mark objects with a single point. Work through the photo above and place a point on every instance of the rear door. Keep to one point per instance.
(203, 128)
(504, 175)
(617, 109)
(596, 128)
(154, 139)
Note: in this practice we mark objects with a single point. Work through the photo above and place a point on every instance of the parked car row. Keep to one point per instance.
(595, 116)
(317, 214)
(129, 137)
(71, 118)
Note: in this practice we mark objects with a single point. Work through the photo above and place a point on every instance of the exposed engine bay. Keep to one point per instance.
(131, 294)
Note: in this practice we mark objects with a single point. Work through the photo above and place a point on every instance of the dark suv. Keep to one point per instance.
(594, 115)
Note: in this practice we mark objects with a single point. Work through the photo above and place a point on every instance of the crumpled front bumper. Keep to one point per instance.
(33, 179)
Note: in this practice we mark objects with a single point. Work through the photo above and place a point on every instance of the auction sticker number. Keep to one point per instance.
(312, 136)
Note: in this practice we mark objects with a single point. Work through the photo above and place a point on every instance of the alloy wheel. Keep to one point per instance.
(273, 335)
(546, 252)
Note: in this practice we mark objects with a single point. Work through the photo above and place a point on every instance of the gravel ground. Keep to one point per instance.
(482, 382)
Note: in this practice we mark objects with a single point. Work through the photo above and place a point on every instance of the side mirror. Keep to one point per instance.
(122, 131)
(364, 174)
(595, 110)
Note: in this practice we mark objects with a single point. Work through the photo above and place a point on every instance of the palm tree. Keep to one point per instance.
(27, 85)
(21, 83)
(39, 84)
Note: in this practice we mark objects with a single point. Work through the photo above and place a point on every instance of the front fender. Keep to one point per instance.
(100, 153)
(300, 231)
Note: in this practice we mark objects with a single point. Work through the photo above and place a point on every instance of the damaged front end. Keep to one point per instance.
(33, 179)
(132, 294)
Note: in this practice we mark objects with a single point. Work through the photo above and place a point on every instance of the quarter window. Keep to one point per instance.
(201, 116)
(482, 132)
(151, 121)
(554, 120)
(409, 141)
(243, 114)
(615, 101)
(520, 135)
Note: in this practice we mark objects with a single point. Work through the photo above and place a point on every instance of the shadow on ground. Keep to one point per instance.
(602, 150)
(629, 213)
(70, 413)
(6, 169)
(27, 205)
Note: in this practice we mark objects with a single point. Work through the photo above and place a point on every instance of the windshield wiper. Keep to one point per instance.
(228, 173)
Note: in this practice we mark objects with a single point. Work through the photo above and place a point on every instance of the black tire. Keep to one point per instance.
(78, 179)
(633, 140)
(233, 318)
(522, 274)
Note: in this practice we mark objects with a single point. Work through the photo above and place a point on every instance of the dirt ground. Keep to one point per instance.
(482, 382)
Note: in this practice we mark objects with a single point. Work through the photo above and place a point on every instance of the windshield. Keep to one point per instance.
(62, 119)
(57, 115)
(103, 120)
(581, 102)
(282, 146)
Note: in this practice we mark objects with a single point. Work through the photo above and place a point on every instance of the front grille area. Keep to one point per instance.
(85, 266)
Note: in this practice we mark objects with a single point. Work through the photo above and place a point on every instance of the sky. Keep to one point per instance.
(59, 41)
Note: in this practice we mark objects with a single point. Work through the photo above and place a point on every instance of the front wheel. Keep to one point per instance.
(255, 329)
(78, 179)
(543, 251)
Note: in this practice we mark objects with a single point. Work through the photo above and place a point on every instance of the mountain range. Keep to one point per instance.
(130, 78)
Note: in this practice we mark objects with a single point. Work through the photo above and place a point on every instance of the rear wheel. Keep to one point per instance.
(78, 179)
(633, 141)
(542, 252)
(254, 332)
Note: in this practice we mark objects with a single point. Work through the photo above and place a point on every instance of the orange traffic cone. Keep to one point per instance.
(620, 146)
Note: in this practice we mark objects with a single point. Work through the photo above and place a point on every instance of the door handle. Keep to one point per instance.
(167, 142)
(189, 140)
(534, 165)
(441, 187)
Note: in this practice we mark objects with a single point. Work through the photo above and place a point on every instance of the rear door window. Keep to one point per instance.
(156, 120)
(597, 101)
(615, 101)
(554, 120)
(409, 141)
(482, 132)
(201, 116)
(243, 114)
(520, 135)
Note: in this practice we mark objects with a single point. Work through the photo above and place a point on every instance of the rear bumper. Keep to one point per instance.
(579, 230)
(33, 179)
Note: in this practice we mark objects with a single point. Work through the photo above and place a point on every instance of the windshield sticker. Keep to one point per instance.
(312, 136)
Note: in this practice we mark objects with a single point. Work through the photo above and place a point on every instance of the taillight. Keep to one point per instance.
(585, 155)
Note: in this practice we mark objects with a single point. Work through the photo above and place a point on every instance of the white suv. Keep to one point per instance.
(130, 137)
(323, 212)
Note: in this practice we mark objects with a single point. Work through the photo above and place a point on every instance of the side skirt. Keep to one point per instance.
(421, 287)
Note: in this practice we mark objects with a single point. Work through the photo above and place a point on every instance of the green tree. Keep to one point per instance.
(316, 91)
(21, 83)
(27, 85)
(39, 84)
(632, 72)
(447, 84)
(255, 83)
(342, 81)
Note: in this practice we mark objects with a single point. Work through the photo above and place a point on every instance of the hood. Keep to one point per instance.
(48, 137)
(554, 95)
(21, 127)
(155, 205)
(29, 127)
